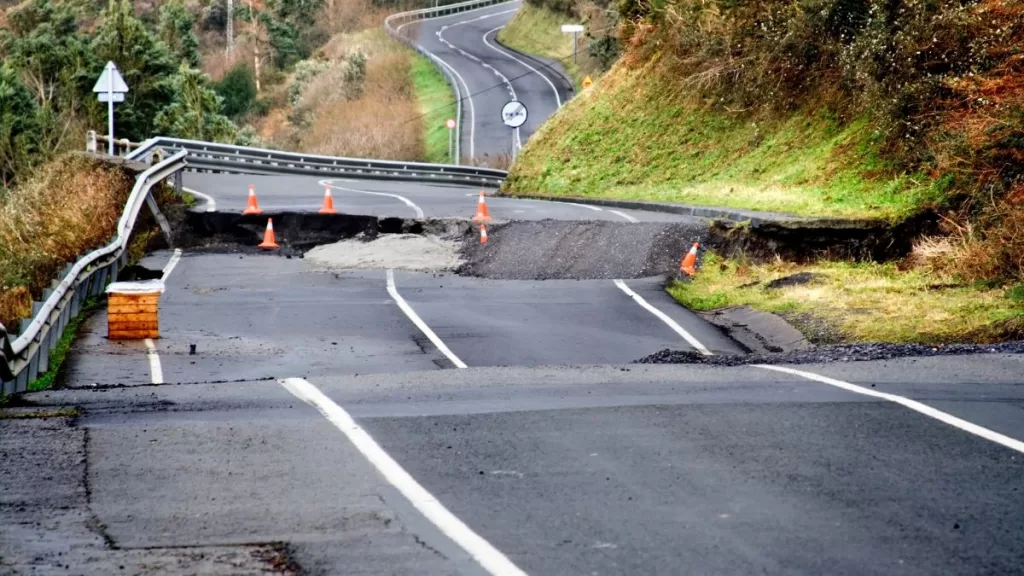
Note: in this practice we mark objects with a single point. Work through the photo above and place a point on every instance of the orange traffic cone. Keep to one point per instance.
(328, 202)
(483, 233)
(689, 264)
(268, 237)
(254, 206)
(481, 210)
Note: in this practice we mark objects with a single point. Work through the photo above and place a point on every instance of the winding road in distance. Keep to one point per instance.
(492, 75)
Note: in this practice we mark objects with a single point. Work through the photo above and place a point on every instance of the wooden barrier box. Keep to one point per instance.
(133, 310)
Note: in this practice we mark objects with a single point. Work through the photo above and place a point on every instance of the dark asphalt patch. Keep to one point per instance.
(841, 353)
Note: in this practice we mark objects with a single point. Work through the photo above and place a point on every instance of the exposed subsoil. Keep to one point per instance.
(838, 353)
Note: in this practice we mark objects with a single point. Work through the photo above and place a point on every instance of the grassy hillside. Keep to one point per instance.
(827, 108)
(635, 136)
(436, 106)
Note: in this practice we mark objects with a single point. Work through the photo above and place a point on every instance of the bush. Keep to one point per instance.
(40, 231)
(238, 90)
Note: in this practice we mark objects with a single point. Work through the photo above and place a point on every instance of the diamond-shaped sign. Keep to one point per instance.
(109, 74)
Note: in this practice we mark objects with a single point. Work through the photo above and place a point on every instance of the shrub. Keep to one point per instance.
(238, 90)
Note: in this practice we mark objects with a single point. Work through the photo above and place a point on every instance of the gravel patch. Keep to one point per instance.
(399, 251)
(581, 250)
(824, 354)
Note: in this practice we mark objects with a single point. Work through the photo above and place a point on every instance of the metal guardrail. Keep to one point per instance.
(27, 356)
(393, 25)
(212, 157)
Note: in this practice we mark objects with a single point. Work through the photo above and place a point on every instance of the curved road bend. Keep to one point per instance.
(492, 75)
(229, 192)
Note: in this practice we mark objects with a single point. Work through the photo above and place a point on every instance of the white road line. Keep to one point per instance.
(208, 201)
(558, 99)
(587, 206)
(409, 203)
(624, 215)
(172, 263)
(908, 403)
(518, 141)
(420, 323)
(664, 318)
(156, 371)
(489, 557)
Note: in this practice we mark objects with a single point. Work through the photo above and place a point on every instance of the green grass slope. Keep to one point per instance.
(634, 136)
(436, 104)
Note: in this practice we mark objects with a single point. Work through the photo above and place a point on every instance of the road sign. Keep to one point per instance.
(573, 29)
(110, 88)
(450, 124)
(587, 82)
(514, 114)
(110, 74)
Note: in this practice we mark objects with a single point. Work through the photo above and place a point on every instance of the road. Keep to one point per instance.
(492, 75)
(304, 420)
(229, 193)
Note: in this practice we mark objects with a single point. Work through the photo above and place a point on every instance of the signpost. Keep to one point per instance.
(450, 124)
(110, 88)
(574, 29)
(514, 115)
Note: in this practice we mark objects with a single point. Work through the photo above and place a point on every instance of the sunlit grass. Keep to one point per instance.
(862, 302)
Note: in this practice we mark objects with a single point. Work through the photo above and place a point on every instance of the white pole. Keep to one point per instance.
(110, 108)
(574, 47)
(451, 145)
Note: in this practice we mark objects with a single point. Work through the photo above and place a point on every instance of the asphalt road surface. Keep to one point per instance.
(492, 75)
(299, 420)
(229, 193)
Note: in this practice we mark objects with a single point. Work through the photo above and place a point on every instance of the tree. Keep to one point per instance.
(238, 90)
(145, 62)
(177, 30)
(18, 126)
(195, 110)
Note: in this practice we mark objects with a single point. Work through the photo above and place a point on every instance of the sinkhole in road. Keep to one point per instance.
(516, 250)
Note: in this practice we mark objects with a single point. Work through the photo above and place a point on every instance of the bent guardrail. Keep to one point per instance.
(213, 157)
(27, 356)
(393, 25)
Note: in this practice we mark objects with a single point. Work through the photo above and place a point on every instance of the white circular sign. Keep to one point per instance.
(450, 124)
(514, 114)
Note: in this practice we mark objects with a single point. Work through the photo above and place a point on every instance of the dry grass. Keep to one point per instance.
(70, 206)
(863, 302)
(381, 122)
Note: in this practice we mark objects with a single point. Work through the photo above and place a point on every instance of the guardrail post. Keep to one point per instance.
(21, 383)
(33, 368)
(90, 141)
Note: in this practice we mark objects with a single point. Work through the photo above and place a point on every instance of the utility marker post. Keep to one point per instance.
(574, 29)
(110, 88)
(450, 124)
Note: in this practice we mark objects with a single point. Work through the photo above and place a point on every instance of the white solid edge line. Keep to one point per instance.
(393, 290)
(624, 215)
(409, 203)
(664, 318)
(908, 403)
(209, 202)
(156, 371)
(558, 99)
(587, 206)
(172, 263)
(489, 557)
